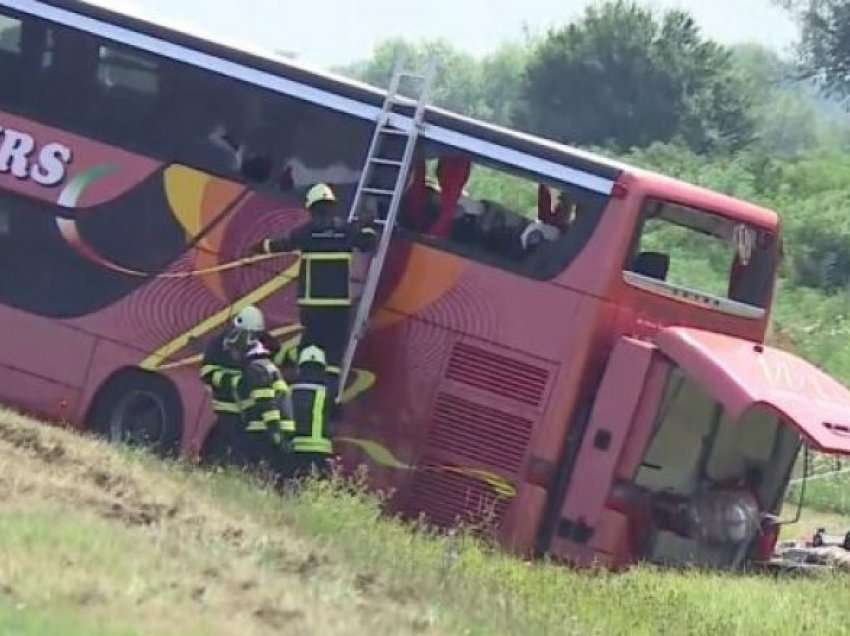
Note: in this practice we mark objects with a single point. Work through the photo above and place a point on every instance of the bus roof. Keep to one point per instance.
(238, 59)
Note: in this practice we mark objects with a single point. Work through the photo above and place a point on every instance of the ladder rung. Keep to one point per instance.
(393, 131)
(386, 162)
(379, 192)
(376, 221)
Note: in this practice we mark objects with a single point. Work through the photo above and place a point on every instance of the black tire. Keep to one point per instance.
(139, 409)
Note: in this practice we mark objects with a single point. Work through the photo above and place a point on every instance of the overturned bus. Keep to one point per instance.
(568, 348)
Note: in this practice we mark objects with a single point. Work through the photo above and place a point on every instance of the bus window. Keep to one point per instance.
(122, 71)
(698, 252)
(11, 31)
(47, 53)
(502, 217)
(127, 84)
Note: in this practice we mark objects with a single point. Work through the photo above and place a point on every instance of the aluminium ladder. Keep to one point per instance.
(390, 127)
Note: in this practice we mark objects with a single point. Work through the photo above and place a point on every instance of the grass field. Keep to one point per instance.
(97, 541)
(826, 491)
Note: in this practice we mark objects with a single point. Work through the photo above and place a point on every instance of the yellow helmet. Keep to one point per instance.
(319, 192)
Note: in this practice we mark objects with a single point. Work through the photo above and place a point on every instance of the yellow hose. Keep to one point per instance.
(199, 272)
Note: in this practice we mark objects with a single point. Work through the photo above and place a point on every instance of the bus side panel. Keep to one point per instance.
(596, 267)
(399, 369)
(42, 365)
(36, 395)
(42, 347)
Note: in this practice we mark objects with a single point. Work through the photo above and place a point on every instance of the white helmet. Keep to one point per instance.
(312, 354)
(250, 319)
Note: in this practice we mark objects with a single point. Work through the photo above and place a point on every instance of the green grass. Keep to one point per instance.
(18, 620)
(827, 493)
(478, 590)
(103, 542)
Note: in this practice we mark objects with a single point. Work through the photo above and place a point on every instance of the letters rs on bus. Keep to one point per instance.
(20, 157)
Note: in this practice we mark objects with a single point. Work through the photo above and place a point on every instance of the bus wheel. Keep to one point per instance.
(142, 410)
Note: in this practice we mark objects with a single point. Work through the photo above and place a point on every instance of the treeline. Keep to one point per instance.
(623, 77)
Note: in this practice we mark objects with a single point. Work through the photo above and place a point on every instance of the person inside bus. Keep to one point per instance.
(467, 223)
(452, 174)
(326, 243)
(248, 394)
(556, 216)
(552, 221)
(420, 205)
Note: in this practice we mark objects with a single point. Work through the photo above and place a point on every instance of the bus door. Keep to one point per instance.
(621, 420)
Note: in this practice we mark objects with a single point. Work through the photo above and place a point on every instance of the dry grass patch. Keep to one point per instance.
(118, 541)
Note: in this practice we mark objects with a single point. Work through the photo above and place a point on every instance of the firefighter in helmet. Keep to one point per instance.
(249, 395)
(311, 445)
(326, 243)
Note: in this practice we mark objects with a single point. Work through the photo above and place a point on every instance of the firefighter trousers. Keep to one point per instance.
(230, 444)
(328, 329)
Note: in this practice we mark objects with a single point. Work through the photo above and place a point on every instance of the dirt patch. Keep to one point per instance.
(278, 619)
(109, 482)
(30, 441)
(365, 582)
(135, 514)
(88, 598)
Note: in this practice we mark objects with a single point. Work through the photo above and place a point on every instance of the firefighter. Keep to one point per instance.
(311, 406)
(326, 244)
(267, 413)
(248, 397)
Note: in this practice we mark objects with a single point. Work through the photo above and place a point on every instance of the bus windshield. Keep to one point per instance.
(697, 251)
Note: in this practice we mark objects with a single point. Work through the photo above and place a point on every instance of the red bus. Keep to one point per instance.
(581, 386)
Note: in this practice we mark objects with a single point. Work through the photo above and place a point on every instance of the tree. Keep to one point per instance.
(824, 47)
(623, 77)
(486, 88)
(785, 109)
(501, 83)
(458, 82)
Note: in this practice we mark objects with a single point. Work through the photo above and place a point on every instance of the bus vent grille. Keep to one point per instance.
(447, 496)
(481, 433)
(498, 374)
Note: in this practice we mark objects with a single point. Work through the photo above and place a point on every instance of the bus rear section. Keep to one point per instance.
(689, 450)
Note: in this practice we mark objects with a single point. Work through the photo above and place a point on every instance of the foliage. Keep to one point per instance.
(624, 77)
(779, 112)
(785, 110)
(487, 89)
(824, 50)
